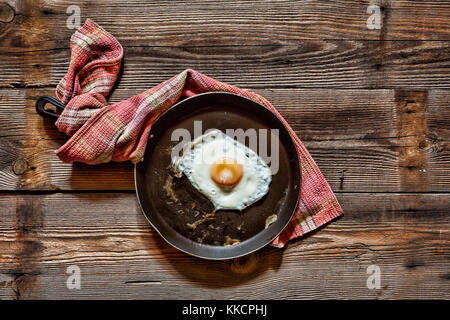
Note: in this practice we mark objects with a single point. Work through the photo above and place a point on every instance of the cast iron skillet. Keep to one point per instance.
(183, 216)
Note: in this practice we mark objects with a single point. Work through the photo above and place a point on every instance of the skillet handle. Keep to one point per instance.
(40, 106)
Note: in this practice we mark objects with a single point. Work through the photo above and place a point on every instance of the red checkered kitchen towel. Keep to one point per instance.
(101, 133)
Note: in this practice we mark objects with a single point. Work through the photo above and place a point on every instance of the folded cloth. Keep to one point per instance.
(119, 132)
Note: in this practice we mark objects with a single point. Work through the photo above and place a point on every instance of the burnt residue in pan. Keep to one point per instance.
(192, 214)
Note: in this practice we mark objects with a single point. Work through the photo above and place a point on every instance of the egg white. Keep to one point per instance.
(201, 153)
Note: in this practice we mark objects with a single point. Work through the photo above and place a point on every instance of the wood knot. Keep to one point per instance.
(19, 42)
(20, 166)
(246, 264)
(413, 264)
(429, 142)
(6, 13)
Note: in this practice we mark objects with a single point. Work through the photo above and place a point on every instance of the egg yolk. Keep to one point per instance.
(226, 173)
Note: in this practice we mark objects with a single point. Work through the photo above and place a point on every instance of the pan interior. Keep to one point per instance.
(181, 214)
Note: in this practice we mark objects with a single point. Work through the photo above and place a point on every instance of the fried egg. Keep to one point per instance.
(228, 173)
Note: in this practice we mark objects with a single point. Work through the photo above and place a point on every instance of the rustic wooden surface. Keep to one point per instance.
(372, 107)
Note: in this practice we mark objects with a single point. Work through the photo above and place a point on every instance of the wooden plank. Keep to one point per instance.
(392, 138)
(236, 22)
(289, 48)
(363, 140)
(345, 123)
(437, 142)
(121, 256)
(306, 64)
(27, 159)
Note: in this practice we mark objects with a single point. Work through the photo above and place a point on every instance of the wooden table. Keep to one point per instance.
(371, 105)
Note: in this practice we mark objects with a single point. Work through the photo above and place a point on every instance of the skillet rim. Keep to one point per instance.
(263, 243)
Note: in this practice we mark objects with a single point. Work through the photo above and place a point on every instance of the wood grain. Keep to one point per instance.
(285, 44)
(358, 138)
(307, 64)
(437, 142)
(120, 255)
(215, 23)
(371, 106)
